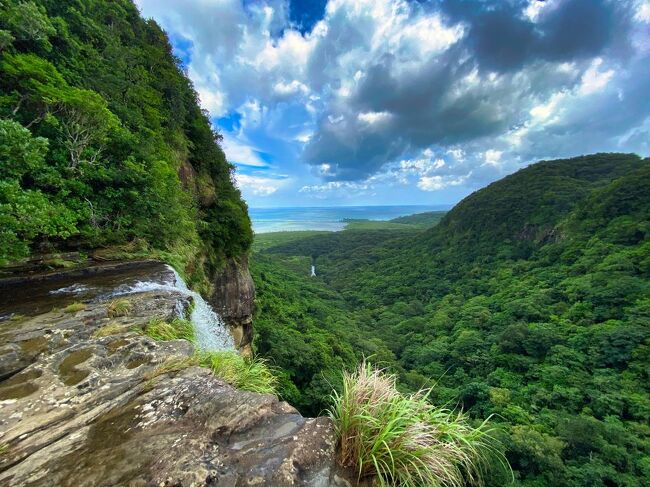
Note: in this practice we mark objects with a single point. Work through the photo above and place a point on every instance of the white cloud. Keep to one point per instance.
(421, 166)
(259, 185)
(457, 153)
(547, 112)
(211, 99)
(303, 137)
(594, 80)
(241, 153)
(372, 118)
(537, 7)
(333, 186)
(643, 12)
(492, 157)
(325, 170)
(435, 183)
(293, 88)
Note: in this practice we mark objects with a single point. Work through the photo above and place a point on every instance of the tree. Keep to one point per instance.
(86, 122)
(26, 214)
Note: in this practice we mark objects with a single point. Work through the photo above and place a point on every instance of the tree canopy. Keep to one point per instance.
(103, 142)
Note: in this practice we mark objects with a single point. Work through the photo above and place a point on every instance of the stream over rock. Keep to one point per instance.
(86, 399)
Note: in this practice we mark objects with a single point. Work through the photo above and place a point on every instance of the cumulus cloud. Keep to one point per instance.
(258, 185)
(241, 153)
(426, 94)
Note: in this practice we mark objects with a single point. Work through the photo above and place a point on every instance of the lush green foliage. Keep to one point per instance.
(427, 219)
(177, 329)
(416, 221)
(102, 141)
(403, 440)
(250, 374)
(376, 225)
(530, 301)
(74, 308)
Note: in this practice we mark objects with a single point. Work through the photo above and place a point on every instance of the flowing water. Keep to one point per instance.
(32, 297)
(211, 331)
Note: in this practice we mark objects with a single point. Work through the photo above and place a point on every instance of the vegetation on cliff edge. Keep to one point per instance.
(103, 143)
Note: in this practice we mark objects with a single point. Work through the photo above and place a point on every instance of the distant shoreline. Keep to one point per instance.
(334, 218)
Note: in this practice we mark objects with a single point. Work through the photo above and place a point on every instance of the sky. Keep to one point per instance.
(396, 102)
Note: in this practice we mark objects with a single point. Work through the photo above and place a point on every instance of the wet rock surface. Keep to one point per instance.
(86, 400)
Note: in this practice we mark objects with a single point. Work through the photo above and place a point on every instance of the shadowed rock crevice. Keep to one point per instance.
(234, 299)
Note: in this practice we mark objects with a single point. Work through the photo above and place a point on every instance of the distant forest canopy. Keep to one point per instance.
(102, 140)
(530, 300)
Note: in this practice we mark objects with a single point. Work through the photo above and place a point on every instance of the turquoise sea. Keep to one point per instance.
(328, 218)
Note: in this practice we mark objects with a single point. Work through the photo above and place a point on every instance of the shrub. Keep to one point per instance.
(250, 374)
(119, 307)
(403, 440)
(177, 329)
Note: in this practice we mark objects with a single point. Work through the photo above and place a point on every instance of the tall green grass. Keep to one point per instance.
(119, 307)
(249, 374)
(403, 440)
(177, 329)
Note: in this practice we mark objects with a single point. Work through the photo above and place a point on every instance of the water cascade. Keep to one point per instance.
(211, 331)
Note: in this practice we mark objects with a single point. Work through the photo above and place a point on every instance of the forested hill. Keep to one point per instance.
(530, 301)
(522, 210)
(103, 143)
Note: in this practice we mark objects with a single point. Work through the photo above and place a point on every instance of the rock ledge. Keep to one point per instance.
(78, 408)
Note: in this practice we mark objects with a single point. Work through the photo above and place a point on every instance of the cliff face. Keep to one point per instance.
(234, 300)
(85, 399)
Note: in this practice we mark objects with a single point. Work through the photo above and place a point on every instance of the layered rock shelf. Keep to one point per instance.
(87, 399)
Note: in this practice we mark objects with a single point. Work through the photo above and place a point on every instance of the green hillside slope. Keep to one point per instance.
(103, 142)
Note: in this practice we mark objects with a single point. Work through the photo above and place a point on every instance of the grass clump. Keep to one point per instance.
(108, 330)
(403, 440)
(177, 329)
(119, 307)
(74, 307)
(249, 374)
(4, 448)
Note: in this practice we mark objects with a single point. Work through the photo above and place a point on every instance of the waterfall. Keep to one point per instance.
(211, 331)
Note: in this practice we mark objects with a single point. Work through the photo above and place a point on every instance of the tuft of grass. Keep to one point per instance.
(403, 440)
(107, 330)
(74, 307)
(177, 329)
(119, 307)
(250, 374)
(4, 448)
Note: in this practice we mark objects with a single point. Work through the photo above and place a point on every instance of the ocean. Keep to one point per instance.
(331, 218)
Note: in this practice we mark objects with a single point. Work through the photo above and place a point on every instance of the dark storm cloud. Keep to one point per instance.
(439, 104)
(501, 37)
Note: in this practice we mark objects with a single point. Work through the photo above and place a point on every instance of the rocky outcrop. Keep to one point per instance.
(234, 300)
(86, 399)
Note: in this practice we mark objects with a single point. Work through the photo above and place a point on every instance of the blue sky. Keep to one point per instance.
(359, 102)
